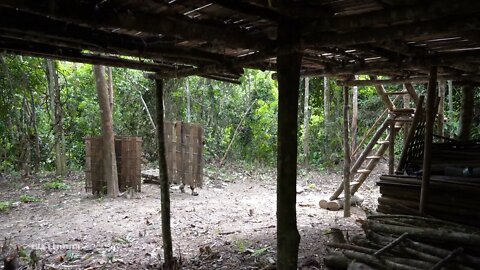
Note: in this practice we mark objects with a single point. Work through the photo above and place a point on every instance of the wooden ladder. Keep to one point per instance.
(376, 148)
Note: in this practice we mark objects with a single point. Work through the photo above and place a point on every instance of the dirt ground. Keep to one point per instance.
(230, 225)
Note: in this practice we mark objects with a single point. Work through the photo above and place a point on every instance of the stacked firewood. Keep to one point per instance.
(451, 197)
(407, 243)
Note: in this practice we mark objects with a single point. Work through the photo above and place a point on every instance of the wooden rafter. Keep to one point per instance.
(75, 11)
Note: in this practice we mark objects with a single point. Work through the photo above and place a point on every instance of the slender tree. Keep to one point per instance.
(56, 116)
(108, 139)
(306, 122)
(466, 113)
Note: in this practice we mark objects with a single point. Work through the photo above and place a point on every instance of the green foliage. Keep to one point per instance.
(56, 184)
(4, 206)
(244, 115)
(25, 198)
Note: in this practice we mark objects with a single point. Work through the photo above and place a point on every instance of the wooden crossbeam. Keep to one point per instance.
(79, 12)
(417, 79)
(422, 12)
(404, 31)
(41, 29)
(60, 53)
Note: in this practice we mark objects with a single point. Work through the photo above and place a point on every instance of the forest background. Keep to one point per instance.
(48, 108)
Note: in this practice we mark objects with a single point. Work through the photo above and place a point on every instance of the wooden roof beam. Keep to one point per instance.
(408, 64)
(404, 31)
(36, 28)
(78, 12)
(421, 12)
(417, 79)
(66, 54)
(248, 9)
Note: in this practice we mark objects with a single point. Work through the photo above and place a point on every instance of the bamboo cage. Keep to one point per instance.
(128, 152)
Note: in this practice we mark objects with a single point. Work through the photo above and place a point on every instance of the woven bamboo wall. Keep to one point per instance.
(184, 151)
(128, 152)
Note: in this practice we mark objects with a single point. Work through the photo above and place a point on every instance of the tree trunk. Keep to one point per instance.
(187, 92)
(164, 183)
(450, 107)
(57, 117)
(466, 113)
(326, 111)
(36, 138)
(110, 88)
(441, 108)
(288, 68)
(306, 122)
(109, 160)
(346, 145)
(354, 115)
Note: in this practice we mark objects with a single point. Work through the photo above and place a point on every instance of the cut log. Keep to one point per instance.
(338, 204)
(337, 261)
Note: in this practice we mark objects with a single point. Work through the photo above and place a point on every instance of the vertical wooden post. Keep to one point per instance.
(391, 146)
(406, 104)
(427, 149)
(288, 68)
(346, 145)
(164, 183)
(441, 108)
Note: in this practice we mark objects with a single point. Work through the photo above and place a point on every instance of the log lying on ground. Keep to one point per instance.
(410, 242)
(338, 204)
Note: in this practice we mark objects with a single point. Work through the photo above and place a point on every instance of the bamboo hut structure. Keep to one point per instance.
(403, 41)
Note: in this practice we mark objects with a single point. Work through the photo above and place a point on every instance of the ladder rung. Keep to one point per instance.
(363, 171)
(403, 111)
(383, 142)
(354, 183)
(397, 93)
(374, 157)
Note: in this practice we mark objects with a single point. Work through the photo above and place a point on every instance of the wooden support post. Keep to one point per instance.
(441, 108)
(427, 149)
(289, 60)
(354, 115)
(391, 147)
(347, 162)
(164, 183)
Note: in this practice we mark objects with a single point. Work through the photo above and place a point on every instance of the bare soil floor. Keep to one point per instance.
(230, 225)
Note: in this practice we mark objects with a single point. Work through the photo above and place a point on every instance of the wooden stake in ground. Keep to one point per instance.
(346, 145)
(289, 61)
(164, 184)
(427, 148)
(109, 160)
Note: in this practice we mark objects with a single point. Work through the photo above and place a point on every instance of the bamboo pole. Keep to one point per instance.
(362, 156)
(391, 147)
(347, 162)
(427, 148)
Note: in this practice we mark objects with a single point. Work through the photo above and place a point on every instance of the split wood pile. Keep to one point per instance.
(447, 156)
(128, 152)
(451, 198)
(407, 243)
(184, 153)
